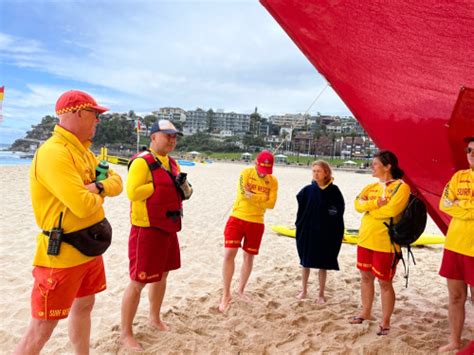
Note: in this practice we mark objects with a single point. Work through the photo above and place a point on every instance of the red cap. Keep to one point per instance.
(74, 100)
(265, 162)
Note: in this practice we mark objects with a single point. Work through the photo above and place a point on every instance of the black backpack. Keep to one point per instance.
(408, 229)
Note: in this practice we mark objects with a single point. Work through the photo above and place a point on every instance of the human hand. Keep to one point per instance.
(248, 194)
(381, 201)
(92, 188)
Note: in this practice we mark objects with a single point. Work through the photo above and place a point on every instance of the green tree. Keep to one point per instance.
(210, 120)
(255, 121)
(148, 121)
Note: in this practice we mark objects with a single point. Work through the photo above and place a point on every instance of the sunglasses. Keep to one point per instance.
(469, 150)
(96, 113)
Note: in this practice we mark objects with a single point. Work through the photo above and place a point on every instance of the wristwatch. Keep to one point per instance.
(99, 186)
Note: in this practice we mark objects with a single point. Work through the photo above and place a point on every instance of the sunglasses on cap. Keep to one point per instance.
(469, 150)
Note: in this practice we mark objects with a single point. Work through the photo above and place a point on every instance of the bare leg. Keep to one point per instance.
(304, 279)
(130, 301)
(388, 302)
(79, 326)
(228, 267)
(38, 333)
(322, 275)
(156, 294)
(457, 298)
(245, 271)
(366, 294)
(471, 288)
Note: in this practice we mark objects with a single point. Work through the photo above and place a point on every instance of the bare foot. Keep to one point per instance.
(130, 343)
(449, 347)
(301, 295)
(159, 325)
(243, 296)
(321, 300)
(225, 303)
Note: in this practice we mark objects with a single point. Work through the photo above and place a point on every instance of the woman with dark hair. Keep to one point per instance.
(458, 256)
(376, 255)
(319, 227)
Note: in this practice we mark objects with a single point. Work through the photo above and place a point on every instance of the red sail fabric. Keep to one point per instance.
(399, 66)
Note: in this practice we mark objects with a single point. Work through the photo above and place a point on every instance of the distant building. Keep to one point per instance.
(264, 129)
(302, 142)
(237, 123)
(174, 114)
(196, 121)
(199, 120)
(357, 147)
(289, 120)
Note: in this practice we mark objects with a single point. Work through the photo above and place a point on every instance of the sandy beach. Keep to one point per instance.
(275, 322)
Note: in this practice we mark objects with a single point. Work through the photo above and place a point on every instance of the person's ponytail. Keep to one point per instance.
(386, 157)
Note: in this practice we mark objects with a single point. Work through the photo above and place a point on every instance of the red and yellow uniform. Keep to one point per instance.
(264, 196)
(140, 187)
(153, 246)
(254, 195)
(460, 236)
(458, 202)
(61, 168)
(373, 234)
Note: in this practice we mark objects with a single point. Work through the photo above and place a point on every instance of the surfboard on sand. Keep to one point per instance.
(350, 235)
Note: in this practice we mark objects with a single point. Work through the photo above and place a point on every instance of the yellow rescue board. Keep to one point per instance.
(350, 236)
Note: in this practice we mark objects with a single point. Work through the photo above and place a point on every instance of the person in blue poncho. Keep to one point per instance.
(319, 226)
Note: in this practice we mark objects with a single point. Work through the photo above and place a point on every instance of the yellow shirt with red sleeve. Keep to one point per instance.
(61, 168)
(373, 234)
(460, 236)
(140, 187)
(264, 195)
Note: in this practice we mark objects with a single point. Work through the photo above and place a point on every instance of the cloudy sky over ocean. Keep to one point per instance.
(142, 55)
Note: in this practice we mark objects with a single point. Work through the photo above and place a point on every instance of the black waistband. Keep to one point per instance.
(67, 236)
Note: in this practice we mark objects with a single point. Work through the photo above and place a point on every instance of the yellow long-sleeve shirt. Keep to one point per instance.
(140, 187)
(373, 234)
(61, 168)
(264, 195)
(460, 236)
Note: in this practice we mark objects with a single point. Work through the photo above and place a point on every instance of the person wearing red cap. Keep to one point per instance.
(256, 192)
(156, 211)
(68, 206)
(457, 265)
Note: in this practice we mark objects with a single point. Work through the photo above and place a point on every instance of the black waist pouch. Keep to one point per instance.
(90, 241)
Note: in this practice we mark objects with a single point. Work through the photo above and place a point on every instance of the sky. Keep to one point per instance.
(142, 55)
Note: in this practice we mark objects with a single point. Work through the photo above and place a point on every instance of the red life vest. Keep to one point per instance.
(164, 206)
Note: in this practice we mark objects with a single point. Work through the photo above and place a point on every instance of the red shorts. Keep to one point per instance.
(152, 252)
(457, 266)
(54, 290)
(237, 229)
(379, 262)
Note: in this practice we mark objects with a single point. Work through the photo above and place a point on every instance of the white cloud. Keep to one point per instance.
(145, 55)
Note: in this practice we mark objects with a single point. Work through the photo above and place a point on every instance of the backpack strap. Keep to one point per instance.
(152, 162)
(396, 188)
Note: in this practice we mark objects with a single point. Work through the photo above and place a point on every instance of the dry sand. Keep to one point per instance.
(276, 322)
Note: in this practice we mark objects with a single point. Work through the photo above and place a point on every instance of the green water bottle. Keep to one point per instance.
(101, 171)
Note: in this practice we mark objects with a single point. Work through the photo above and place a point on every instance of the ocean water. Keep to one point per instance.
(14, 158)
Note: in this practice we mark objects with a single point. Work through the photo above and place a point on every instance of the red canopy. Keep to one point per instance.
(400, 67)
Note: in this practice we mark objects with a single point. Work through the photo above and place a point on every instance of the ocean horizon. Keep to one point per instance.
(9, 158)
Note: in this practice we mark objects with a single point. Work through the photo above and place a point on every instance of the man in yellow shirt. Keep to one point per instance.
(67, 203)
(458, 257)
(257, 191)
(156, 211)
